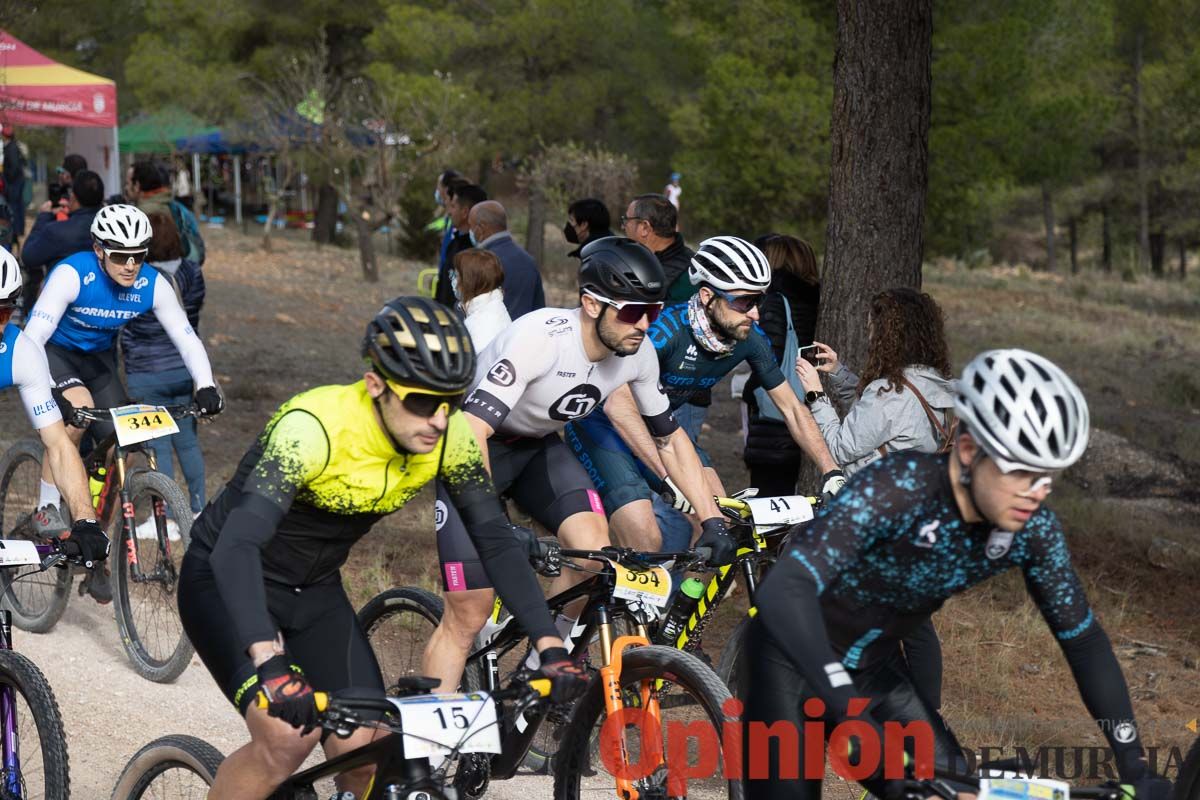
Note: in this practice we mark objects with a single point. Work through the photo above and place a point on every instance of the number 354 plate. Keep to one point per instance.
(140, 423)
(434, 724)
(651, 586)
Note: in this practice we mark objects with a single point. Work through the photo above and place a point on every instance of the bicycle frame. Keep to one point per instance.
(391, 766)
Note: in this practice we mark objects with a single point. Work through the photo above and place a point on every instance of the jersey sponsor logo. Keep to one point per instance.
(927, 536)
(3, 348)
(998, 543)
(1125, 732)
(104, 313)
(557, 321)
(577, 402)
(91, 276)
(129, 297)
(837, 675)
(503, 373)
(44, 408)
(141, 283)
(564, 374)
(439, 515)
(692, 354)
(487, 407)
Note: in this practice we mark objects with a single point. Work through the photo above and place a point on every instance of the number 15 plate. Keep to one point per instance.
(140, 423)
(434, 724)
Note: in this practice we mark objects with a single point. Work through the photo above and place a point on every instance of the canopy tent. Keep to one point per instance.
(158, 132)
(36, 90)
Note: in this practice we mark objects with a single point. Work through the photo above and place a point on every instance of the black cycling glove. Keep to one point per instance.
(567, 679)
(209, 401)
(715, 536)
(290, 696)
(86, 542)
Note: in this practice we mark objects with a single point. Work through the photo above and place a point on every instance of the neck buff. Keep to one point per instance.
(702, 329)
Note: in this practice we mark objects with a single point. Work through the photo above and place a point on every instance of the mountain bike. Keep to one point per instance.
(33, 745)
(148, 519)
(419, 723)
(638, 681)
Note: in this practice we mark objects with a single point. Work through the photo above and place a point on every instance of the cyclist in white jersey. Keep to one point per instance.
(23, 365)
(551, 366)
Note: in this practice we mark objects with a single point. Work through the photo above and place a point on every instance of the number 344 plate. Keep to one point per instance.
(140, 423)
(434, 724)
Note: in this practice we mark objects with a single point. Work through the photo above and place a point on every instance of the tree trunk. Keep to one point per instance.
(275, 199)
(1182, 259)
(1158, 247)
(1142, 188)
(366, 245)
(1048, 218)
(1073, 231)
(325, 218)
(1106, 236)
(535, 234)
(879, 166)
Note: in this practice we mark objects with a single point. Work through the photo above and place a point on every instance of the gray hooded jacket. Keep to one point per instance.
(880, 417)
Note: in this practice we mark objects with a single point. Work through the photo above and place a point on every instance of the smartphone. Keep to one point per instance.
(809, 354)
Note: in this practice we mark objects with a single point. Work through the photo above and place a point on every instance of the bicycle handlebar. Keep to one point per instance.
(83, 414)
(628, 557)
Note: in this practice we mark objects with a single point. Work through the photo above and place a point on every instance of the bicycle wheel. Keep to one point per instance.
(171, 768)
(1187, 785)
(398, 624)
(42, 772)
(729, 670)
(37, 600)
(144, 602)
(690, 696)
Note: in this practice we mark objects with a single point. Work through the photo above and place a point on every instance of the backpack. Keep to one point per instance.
(944, 432)
(195, 244)
(766, 406)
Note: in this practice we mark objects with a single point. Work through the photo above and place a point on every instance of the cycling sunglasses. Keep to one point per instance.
(629, 312)
(125, 256)
(741, 303)
(424, 404)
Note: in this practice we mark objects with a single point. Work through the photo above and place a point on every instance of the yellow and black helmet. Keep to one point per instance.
(417, 342)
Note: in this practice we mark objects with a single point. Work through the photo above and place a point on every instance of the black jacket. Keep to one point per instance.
(676, 259)
(146, 345)
(445, 292)
(52, 240)
(768, 441)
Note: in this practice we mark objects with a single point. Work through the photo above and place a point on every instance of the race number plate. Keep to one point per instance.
(19, 553)
(1023, 789)
(776, 511)
(435, 724)
(140, 423)
(651, 586)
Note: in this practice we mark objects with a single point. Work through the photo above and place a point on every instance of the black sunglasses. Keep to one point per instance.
(741, 303)
(425, 405)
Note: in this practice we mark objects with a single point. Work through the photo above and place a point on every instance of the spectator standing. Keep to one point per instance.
(463, 197)
(51, 240)
(149, 188)
(478, 282)
(14, 181)
(441, 199)
(904, 397)
(673, 190)
(651, 220)
(183, 185)
(587, 221)
(58, 189)
(523, 290)
(154, 370)
(771, 454)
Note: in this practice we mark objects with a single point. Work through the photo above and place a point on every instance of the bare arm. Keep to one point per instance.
(67, 468)
(622, 410)
(482, 432)
(683, 465)
(802, 426)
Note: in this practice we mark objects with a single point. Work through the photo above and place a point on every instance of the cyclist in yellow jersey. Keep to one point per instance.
(260, 591)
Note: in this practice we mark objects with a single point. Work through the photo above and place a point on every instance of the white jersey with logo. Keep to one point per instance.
(535, 377)
(23, 364)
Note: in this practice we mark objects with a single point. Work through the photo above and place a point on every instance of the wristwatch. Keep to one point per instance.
(812, 397)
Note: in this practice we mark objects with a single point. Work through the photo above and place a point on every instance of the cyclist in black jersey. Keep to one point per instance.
(905, 534)
(260, 591)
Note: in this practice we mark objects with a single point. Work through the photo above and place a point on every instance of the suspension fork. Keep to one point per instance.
(128, 519)
(650, 722)
(11, 745)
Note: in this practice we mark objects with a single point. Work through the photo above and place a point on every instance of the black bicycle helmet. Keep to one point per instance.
(621, 269)
(417, 342)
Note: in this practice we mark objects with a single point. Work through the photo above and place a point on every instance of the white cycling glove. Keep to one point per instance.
(832, 483)
(677, 500)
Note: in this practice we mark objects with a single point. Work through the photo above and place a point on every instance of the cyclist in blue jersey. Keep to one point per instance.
(87, 298)
(697, 343)
(906, 533)
(23, 365)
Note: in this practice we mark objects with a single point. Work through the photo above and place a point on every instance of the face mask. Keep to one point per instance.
(437, 197)
(474, 241)
(570, 234)
(454, 285)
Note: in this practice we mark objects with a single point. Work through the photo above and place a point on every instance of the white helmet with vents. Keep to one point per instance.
(122, 227)
(1023, 411)
(731, 264)
(10, 279)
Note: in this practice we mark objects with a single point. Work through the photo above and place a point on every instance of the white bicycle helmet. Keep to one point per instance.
(1023, 410)
(731, 264)
(122, 227)
(10, 279)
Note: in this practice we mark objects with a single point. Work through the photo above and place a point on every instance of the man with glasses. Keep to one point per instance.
(552, 366)
(260, 592)
(88, 297)
(697, 343)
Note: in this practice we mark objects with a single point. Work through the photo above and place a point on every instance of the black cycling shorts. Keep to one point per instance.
(320, 632)
(97, 372)
(541, 475)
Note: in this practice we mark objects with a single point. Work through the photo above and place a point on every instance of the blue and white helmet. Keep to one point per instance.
(122, 227)
(1023, 411)
(730, 264)
(10, 279)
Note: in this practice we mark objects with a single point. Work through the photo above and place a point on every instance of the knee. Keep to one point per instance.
(282, 751)
(463, 620)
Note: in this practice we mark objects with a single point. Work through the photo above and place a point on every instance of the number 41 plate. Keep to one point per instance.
(139, 423)
(434, 724)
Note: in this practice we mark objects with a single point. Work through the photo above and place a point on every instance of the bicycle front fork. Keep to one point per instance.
(649, 714)
(8, 718)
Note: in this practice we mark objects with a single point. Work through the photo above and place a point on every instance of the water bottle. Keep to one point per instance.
(686, 599)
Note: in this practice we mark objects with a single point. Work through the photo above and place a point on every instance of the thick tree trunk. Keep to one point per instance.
(325, 218)
(1073, 232)
(1158, 247)
(1142, 180)
(1182, 259)
(879, 163)
(366, 245)
(1048, 219)
(535, 234)
(1106, 236)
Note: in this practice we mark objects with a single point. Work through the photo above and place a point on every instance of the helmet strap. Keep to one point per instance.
(383, 424)
(966, 480)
